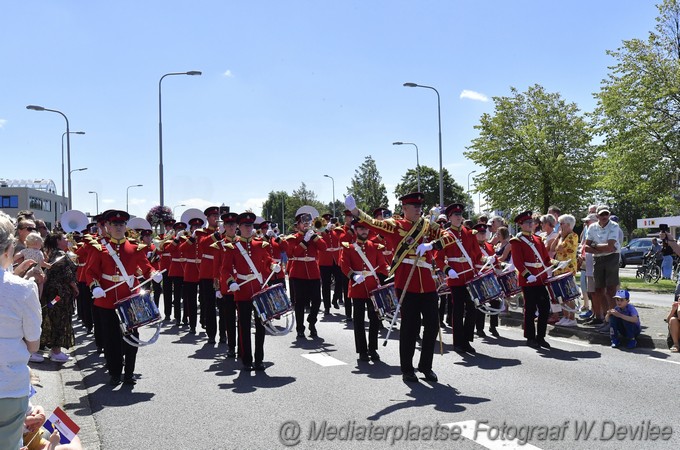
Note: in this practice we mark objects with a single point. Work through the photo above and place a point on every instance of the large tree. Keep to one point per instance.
(367, 186)
(536, 152)
(429, 186)
(638, 115)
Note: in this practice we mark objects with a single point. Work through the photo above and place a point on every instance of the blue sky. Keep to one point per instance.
(290, 91)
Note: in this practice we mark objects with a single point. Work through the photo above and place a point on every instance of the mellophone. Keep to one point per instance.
(273, 303)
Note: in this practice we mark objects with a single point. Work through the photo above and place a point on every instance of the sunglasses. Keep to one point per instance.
(29, 228)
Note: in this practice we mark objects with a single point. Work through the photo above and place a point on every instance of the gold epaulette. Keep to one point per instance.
(215, 245)
(380, 246)
(97, 246)
(345, 244)
(229, 245)
(141, 247)
(265, 244)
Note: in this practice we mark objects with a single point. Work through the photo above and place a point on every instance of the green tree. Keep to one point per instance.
(536, 152)
(275, 209)
(367, 186)
(638, 115)
(429, 186)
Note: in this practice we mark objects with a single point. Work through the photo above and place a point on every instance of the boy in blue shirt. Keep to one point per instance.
(624, 320)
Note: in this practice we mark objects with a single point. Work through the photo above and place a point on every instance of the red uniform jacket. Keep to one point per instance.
(351, 263)
(331, 255)
(206, 237)
(189, 253)
(525, 259)
(233, 262)
(274, 249)
(304, 256)
(164, 253)
(387, 252)
(103, 271)
(176, 262)
(451, 256)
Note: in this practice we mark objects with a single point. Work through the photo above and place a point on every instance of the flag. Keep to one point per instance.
(63, 424)
(53, 302)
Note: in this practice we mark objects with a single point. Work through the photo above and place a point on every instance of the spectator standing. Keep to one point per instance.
(587, 262)
(565, 247)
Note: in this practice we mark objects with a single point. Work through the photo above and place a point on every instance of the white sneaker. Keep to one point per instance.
(59, 357)
(36, 358)
(570, 323)
(561, 322)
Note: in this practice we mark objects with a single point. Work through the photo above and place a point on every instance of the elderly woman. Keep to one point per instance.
(564, 247)
(19, 336)
(59, 282)
(548, 232)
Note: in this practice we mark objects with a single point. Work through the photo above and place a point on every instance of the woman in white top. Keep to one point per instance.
(20, 320)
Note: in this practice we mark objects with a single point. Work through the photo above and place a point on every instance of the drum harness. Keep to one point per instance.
(246, 256)
(129, 280)
(363, 257)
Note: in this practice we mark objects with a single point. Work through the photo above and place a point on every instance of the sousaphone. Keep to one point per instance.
(74, 220)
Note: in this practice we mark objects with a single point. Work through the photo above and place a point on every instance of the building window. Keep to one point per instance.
(10, 201)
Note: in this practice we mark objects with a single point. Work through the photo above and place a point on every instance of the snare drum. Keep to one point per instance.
(562, 288)
(440, 281)
(509, 283)
(137, 310)
(384, 300)
(484, 288)
(271, 303)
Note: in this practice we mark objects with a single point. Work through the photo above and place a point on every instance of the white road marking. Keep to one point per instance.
(323, 359)
(570, 341)
(468, 428)
(664, 360)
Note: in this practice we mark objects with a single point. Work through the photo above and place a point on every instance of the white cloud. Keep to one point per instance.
(3, 122)
(228, 74)
(109, 201)
(472, 95)
(253, 204)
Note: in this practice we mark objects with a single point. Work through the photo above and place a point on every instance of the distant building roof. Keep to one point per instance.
(41, 185)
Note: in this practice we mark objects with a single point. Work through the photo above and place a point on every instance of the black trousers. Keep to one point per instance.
(326, 282)
(341, 287)
(246, 313)
(115, 348)
(535, 297)
(85, 305)
(227, 311)
(416, 309)
(493, 318)
(445, 308)
(98, 327)
(360, 305)
(167, 295)
(307, 293)
(208, 307)
(177, 283)
(157, 291)
(190, 294)
(464, 314)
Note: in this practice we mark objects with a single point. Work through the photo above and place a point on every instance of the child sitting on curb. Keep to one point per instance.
(624, 320)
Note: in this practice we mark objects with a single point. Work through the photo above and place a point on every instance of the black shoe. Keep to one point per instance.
(409, 377)
(494, 332)
(470, 349)
(533, 343)
(326, 312)
(223, 341)
(349, 320)
(335, 304)
(167, 319)
(364, 357)
(442, 324)
(231, 353)
(374, 355)
(258, 366)
(481, 334)
(129, 381)
(185, 321)
(247, 366)
(192, 331)
(115, 380)
(178, 323)
(211, 340)
(542, 343)
(312, 331)
(429, 375)
(459, 349)
(300, 334)
(100, 351)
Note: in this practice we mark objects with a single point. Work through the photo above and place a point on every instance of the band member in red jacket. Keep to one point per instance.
(364, 279)
(164, 263)
(250, 263)
(487, 250)
(176, 269)
(114, 264)
(329, 263)
(205, 237)
(226, 306)
(190, 254)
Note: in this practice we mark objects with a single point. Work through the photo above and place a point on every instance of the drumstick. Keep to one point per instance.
(143, 283)
(401, 299)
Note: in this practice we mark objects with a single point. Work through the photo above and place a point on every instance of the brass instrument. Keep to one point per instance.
(319, 224)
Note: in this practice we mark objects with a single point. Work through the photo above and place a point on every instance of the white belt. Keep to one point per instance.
(333, 249)
(195, 261)
(208, 256)
(178, 259)
(249, 277)
(81, 265)
(423, 264)
(113, 278)
(365, 273)
(387, 252)
(460, 259)
(165, 254)
(303, 259)
(276, 260)
(534, 265)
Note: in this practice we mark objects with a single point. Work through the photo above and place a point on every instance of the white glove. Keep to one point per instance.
(233, 287)
(452, 274)
(218, 294)
(423, 248)
(562, 264)
(271, 233)
(350, 203)
(276, 268)
(490, 260)
(308, 235)
(358, 278)
(157, 277)
(510, 268)
(98, 292)
(329, 226)
(531, 278)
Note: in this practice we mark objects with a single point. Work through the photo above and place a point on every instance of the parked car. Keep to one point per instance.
(636, 250)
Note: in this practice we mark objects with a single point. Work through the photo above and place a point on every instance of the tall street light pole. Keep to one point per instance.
(417, 159)
(283, 217)
(333, 180)
(127, 196)
(63, 194)
(96, 199)
(69, 183)
(439, 118)
(160, 127)
(68, 145)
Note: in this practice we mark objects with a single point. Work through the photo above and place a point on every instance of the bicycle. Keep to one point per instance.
(649, 271)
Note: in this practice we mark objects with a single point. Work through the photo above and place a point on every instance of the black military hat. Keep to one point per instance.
(414, 198)
(480, 228)
(211, 210)
(179, 226)
(115, 215)
(523, 217)
(455, 208)
(230, 217)
(197, 221)
(246, 218)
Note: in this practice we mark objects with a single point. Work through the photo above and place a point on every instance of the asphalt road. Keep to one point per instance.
(190, 396)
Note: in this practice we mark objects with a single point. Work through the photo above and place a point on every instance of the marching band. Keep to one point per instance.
(382, 267)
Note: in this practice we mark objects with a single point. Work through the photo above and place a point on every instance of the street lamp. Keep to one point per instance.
(175, 207)
(96, 199)
(69, 182)
(127, 195)
(62, 158)
(160, 127)
(333, 180)
(439, 117)
(68, 144)
(468, 187)
(417, 159)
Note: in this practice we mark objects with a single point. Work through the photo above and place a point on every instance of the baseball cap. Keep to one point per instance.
(591, 217)
(622, 293)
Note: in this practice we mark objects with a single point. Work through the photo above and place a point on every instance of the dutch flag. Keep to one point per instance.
(53, 302)
(63, 424)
